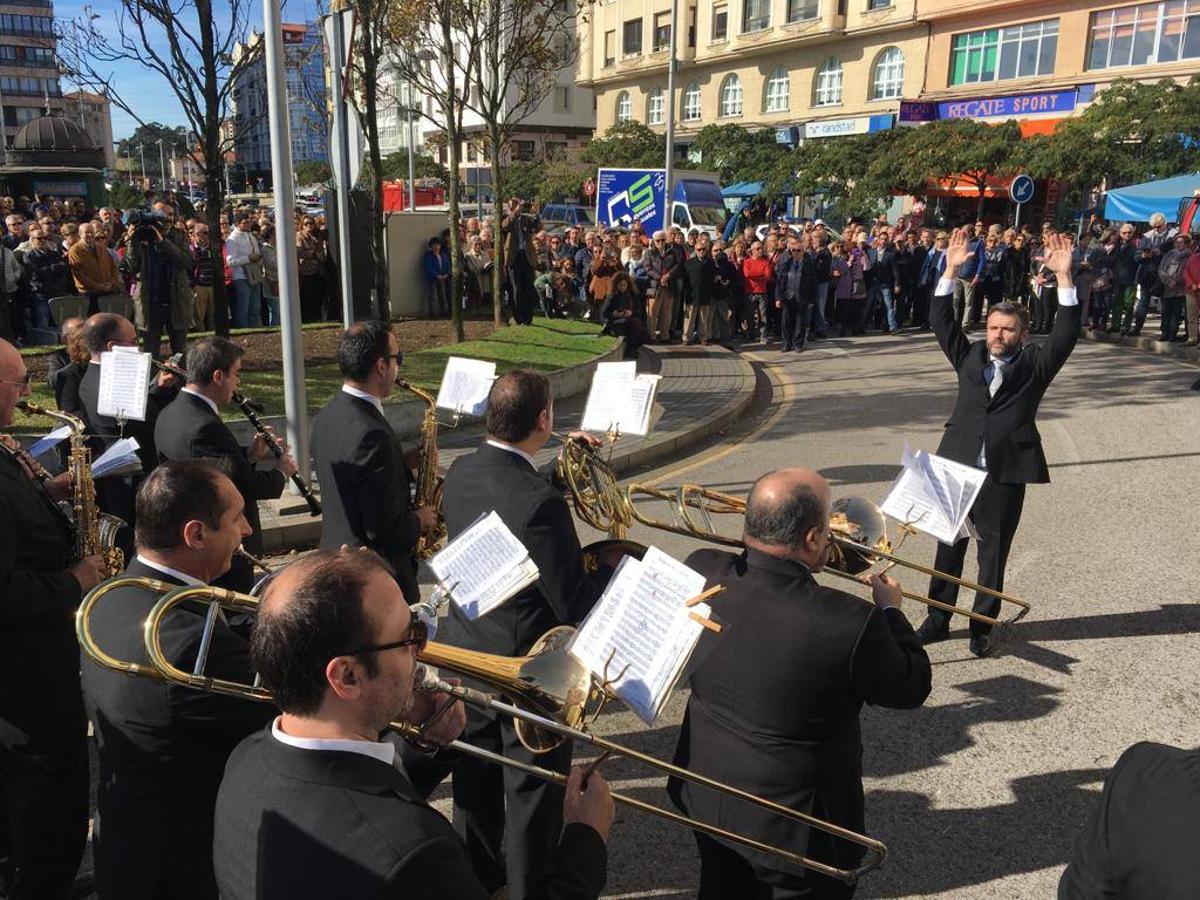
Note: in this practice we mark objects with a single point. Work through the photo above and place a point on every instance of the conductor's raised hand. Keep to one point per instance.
(590, 804)
(1057, 258)
(959, 250)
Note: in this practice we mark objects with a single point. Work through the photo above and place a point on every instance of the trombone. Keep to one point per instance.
(554, 699)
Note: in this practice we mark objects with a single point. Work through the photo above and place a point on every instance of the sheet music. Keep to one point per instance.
(51, 440)
(642, 621)
(484, 566)
(466, 384)
(934, 494)
(124, 374)
(119, 459)
(620, 399)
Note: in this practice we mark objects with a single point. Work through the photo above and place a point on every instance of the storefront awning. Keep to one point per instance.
(1138, 202)
(742, 189)
(952, 187)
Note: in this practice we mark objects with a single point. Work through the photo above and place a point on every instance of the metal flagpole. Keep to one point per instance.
(672, 63)
(412, 188)
(295, 402)
(337, 65)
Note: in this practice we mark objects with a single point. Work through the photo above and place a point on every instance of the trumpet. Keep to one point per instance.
(553, 698)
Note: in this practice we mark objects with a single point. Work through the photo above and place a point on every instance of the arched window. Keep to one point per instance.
(828, 89)
(655, 104)
(624, 107)
(776, 97)
(731, 96)
(691, 102)
(888, 81)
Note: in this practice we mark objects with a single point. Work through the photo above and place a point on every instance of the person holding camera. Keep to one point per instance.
(517, 229)
(163, 269)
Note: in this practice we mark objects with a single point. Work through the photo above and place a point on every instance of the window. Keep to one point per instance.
(756, 15)
(888, 82)
(624, 107)
(523, 151)
(562, 98)
(799, 10)
(1017, 51)
(470, 154)
(878, 4)
(692, 27)
(731, 96)
(662, 30)
(720, 31)
(691, 102)
(776, 97)
(631, 38)
(610, 48)
(655, 107)
(1147, 33)
(828, 88)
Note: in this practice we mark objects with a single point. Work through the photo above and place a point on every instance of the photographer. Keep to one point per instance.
(162, 265)
(517, 229)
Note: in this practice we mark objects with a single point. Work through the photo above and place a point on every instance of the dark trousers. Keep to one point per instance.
(1172, 315)
(794, 329)
(992, 290)
(158, 320)
(520, 276)
(499, 803)
(923, 296)
(312, 298)
(1045, 306)
(996, 515)
(44, 794)
(726, 874)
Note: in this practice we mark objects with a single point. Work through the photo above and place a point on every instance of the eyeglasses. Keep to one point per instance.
(418, 637)
(24, 382)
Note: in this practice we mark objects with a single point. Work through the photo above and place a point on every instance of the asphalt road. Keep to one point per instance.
(982, 792)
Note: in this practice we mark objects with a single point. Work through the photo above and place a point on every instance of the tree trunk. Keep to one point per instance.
(497, 215)
(370, 66)
(982, 186)
(214, 163)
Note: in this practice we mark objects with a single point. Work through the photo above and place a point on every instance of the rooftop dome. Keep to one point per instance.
(52, 133)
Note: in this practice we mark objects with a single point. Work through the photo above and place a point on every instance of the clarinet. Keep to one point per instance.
(246, 405)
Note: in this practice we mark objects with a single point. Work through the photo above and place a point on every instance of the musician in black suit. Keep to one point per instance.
(191, 428)
(102, 333)
(362, 469)
(1001, 381)
(162, 749)
(776, 694)
(318, 805)
(1141, 840)
(491, 806)
(43, 732)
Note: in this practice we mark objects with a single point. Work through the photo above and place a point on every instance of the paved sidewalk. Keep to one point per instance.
(1148, 342)
(703, 391)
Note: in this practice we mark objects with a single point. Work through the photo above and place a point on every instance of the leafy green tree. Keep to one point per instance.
(520, 180)
(395, 167)
(628, 145)
(312, 172)
(737, 154)
(124, 196)
(562, 180)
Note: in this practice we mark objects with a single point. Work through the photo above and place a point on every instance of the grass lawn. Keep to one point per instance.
(545, 345)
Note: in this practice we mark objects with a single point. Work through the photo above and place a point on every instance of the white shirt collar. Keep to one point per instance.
(380, 750)
(363, 395)
(198, 395)
(167, 570)
(511, 449)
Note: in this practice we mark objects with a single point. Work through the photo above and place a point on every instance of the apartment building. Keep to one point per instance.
(93, 113)
(810, 69)
(28, 66)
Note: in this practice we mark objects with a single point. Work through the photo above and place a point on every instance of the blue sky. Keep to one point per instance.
(142, 88)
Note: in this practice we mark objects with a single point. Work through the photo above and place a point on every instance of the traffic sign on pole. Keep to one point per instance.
(1021, 189)
(589, 187)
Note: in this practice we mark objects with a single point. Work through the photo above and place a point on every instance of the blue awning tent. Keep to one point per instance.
(1137, 202)
(742, 189)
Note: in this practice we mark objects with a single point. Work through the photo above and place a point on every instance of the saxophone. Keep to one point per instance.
(95, 532)
(429, 483)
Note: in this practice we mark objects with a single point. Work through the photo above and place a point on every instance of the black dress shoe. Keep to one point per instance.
(931, 632)
(981, 645)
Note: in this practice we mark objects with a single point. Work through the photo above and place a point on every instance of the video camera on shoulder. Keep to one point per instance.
(149, 225)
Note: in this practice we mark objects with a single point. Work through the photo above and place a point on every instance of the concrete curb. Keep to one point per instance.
(1147, 344)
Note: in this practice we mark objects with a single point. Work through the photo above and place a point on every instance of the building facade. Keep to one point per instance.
(93, 113)
(810, 69)
(304, 63)
(29, 85)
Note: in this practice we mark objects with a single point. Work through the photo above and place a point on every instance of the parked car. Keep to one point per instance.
(557, 217)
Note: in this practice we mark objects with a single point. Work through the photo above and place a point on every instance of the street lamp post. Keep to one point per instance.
(672, 63)
(412, 188)
(142, 151)
(162, 166)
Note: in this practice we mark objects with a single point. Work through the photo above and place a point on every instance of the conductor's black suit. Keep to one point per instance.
(494, 478)
(190, 429)
(162, 748)
(365, 486)
(774, 711)
(996, 432)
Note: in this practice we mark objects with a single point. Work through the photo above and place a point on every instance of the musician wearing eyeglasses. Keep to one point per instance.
(519, 810)
(192, 428)
(1001, 382)
(43, 731)
(162, 748)
(322, 803)
(363, 470)
(777, 693)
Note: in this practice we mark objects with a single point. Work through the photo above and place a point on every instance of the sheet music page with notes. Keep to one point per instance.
(484, 566)
(934, 494)
(619, 399)
(119, 459)
(124, 384)
(465, 386)
(641, 630)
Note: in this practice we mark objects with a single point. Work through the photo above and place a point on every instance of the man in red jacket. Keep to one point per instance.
(758, 271)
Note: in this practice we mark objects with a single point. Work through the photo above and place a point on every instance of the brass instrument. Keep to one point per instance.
(95, 532)
(599, 501)
(429, 483)
(553, 696)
